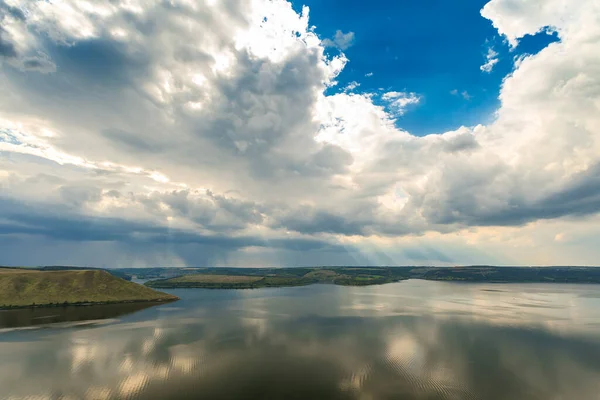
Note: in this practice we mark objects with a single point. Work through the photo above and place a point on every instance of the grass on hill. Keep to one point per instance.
(13, 270)
(27, 288)
(215, 279)
(272, 278)
(210, 281)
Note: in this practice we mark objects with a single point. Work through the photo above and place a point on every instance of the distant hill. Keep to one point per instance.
(22, 287)
(249, 278)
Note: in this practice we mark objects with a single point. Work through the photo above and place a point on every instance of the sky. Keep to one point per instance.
(273, 133)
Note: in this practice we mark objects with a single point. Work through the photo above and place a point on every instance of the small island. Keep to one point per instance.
(253, 278)
(23, 287)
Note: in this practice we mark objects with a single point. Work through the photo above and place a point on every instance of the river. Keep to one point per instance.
(407, 340)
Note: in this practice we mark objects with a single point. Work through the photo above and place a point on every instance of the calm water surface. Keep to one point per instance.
(409, 340)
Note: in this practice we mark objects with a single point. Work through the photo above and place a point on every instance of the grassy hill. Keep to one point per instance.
(270, 278)
(209, 281)
(20, 288)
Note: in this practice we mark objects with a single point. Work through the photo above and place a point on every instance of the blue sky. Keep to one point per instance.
(434, 48)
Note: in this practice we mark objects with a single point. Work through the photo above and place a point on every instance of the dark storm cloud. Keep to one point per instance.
(60, 223)
(311, 221)
(98, 62)
(579, 198)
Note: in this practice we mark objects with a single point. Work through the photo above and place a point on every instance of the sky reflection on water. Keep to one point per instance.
(411, 340)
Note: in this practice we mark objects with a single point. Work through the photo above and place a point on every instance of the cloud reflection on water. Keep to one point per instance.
(463, 342)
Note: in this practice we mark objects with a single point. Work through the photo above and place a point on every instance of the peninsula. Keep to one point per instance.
(22, 287)
(250, 278)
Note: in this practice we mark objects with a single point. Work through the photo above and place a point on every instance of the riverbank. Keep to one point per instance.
(90, 304)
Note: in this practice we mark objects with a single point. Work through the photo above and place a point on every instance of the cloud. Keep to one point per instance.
(58, 223)
(340, 40)
(15, 12)
(464, 94)
(399, 101)
(491, 59)
(7, 49)
(514, 20)
(15, 47)
(210, 124)
(351, 86)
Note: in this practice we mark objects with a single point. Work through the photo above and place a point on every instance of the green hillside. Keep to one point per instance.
(272, 278)
(25, 288)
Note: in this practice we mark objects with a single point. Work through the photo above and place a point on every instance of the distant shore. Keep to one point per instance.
(60, 286)
(242, 278)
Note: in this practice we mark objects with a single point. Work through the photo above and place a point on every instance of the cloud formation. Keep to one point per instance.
(201, 122)
(340, 40)
(491, 59)
(398, 101)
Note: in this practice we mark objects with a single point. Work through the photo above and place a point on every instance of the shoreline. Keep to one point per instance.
(467, 282)
(87, 304)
